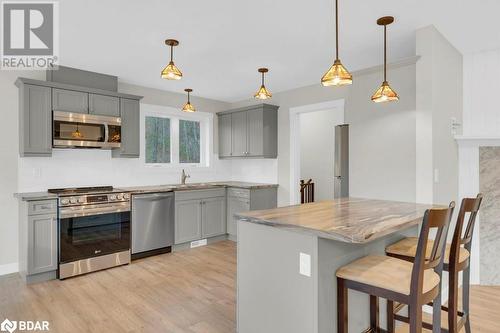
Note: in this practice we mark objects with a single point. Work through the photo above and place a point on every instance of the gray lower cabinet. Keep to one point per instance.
(241, 200)
(35, 120)
(199, 214)
(70, 101)
(249, 132)
(130, 115)
(213, 217)
(188, 220)
(38, 240)
(104, 105)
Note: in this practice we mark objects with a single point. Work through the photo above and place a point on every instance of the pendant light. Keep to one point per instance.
(171, 72)
(263, 93)
(188, 107)
(337, 75)
(385, 92)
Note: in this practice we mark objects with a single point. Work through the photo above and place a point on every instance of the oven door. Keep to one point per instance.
(77, 130)
(94, 230)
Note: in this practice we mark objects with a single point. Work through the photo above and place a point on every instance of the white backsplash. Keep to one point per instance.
(68, 168)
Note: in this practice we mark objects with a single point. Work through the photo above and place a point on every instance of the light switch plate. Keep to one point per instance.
(201, 242)
(305, 264)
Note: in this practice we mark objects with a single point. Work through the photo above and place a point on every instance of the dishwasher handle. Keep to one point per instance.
(153, 195)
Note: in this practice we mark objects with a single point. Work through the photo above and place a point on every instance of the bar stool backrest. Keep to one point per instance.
(468, 206)
(434, 219)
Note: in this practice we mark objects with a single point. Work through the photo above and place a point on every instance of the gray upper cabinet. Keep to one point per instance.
(239, 134)
(214, 217)
(70, 101)
(130, 114)
(35, 120)
(104, 105)
(254, 132)
(225, 149)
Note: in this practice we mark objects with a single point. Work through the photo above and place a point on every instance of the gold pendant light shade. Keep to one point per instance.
(188, 107)
(337, 75)
(385, 93)
(263, 93)
(171, 72)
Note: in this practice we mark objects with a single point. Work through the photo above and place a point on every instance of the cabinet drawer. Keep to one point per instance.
(238, 192)
(199, 194)
(42, 207)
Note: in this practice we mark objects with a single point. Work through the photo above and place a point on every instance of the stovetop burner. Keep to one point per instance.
(81, 190)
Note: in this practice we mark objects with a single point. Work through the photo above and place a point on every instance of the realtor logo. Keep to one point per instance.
(30, 35)
(8, 326)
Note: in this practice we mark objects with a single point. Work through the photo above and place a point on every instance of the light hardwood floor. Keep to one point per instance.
(191, 291)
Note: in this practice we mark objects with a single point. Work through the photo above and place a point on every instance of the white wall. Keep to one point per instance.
(382, 140)
(317, 150)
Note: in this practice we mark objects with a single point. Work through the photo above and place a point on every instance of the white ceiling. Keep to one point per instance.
(223, 42)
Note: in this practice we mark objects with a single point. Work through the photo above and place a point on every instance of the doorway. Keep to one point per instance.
(312, 142)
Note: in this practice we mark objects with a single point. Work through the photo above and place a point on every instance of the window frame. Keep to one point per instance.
(206, 121)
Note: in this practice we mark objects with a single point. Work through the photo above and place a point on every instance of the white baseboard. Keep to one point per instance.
(9, 268)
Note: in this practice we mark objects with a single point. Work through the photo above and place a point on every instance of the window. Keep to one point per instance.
(189, 141)
(175, 139)
(157, 140)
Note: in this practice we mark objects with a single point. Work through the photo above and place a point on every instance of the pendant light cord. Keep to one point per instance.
(189, 101)
(171, 53)
(263, 78)
(336, 29)
(385, 53)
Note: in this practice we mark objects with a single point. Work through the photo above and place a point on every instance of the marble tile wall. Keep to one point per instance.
(489, 233)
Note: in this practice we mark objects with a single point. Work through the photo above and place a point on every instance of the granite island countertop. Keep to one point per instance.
(44, 195)
(350, 220)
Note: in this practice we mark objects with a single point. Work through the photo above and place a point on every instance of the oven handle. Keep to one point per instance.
(93, 210)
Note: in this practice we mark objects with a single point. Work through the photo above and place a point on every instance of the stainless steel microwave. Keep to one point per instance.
(79, 130)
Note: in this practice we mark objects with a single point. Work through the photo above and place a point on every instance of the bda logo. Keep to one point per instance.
(8, 326)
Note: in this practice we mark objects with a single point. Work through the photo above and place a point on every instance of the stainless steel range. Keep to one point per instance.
(94, 229)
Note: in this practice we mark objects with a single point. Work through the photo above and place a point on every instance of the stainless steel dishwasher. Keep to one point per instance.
(152, 224)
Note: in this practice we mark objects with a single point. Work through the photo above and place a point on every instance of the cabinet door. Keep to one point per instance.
(42, 243)
(239, 133)
(130, 114)
(255, 125)
(225, 135)
(235, 205)
(35, 121)
(214, 217)
(104, 105)
(187, 221)
(70, 101)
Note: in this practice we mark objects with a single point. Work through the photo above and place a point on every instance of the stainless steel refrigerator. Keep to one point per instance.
(341, 162)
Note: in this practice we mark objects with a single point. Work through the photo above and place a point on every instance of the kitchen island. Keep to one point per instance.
(287, 259)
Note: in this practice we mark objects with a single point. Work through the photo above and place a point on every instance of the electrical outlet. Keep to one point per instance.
(305, 264)
(201, 242)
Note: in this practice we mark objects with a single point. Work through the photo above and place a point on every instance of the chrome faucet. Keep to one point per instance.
(184, 176)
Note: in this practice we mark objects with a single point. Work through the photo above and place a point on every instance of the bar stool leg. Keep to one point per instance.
(415, 314)
(453, 302)
(465, 298)
(374, 324)
(436, 313)
(390, 317)
(342, 307)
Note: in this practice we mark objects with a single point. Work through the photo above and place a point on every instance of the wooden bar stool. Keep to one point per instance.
(456, 260)
(414, 284)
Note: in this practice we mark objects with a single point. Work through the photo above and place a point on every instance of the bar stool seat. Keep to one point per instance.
(386, 273)
(407, 247)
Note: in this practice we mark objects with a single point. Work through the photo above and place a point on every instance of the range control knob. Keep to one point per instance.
(81, 200)
(112, 197)
(64, 201)
(73, 200)
(119, 196)
(126, 196)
